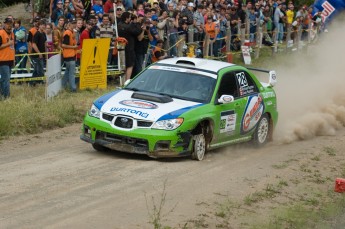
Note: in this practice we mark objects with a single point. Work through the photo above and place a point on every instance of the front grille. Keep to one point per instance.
(136, 142)
(144, 123)
(124, 122)
(107, 117)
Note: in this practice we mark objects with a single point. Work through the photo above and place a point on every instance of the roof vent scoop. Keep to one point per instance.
(185, 62)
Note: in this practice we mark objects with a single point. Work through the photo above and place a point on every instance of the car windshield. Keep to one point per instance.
(182, 85)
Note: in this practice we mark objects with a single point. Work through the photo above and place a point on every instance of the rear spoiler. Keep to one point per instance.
(272, 75)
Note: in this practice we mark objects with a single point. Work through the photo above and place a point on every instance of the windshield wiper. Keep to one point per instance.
(132, 88)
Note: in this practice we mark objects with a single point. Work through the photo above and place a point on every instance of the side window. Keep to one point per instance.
(246, 84)
(228, 85)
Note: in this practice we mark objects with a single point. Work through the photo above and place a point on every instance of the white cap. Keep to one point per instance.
(191, 4)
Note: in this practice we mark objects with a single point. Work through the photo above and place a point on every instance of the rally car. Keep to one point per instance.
(184, 107)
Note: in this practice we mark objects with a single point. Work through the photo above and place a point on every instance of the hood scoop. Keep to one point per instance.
(152, 97)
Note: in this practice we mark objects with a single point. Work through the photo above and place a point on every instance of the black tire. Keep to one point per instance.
(200, 144)
(262, 131)
(99, 148)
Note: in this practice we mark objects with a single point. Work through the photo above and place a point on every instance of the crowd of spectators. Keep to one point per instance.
(156, 27)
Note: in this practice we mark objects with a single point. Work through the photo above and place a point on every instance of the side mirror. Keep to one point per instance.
(273, 78)
(224, 99)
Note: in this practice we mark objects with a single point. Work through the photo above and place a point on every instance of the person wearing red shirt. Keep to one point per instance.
(84, 35)
(108, 5)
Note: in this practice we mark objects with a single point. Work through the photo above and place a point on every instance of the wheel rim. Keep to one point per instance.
(199, 146)
(262, 130)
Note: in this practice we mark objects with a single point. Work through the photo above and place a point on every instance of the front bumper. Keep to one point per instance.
(154, 143)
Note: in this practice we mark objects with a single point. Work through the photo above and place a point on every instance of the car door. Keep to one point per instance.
(228, 115)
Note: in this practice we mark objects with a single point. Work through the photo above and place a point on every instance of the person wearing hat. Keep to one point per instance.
(21, 46)
(212, 29)
(6, 57)
(32, 32)
(39, 48)
(69, 52)
(153, 30)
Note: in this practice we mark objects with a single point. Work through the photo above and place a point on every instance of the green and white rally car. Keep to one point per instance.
(184, 106)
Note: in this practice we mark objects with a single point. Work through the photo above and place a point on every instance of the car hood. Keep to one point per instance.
(122, 103)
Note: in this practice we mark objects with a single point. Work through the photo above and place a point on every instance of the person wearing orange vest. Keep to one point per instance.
(7, 53)
(158, 53)
(212, 29)
(69, 52)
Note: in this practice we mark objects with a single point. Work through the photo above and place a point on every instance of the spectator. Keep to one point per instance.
(94, 22)
(7, 53)
(69, 11)
(108, 5)
(172, 26)
(130, 32)
(154, 31)
(199, 24)
(69, 45)
(57, 34)
(84, 35)
(105, 30)
(98, 8)
(277, 21)
(252, 23)
(49, 36)
(212, 29)
(142, 44)
(79, 28)
(78, 7)
(57, 13)
(32, 33)
(21, 46)
(158, 53)
(39, 47)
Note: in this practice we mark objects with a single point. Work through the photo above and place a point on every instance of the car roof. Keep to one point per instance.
(198, 63)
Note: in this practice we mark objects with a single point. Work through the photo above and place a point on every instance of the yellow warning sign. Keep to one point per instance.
(93, 66)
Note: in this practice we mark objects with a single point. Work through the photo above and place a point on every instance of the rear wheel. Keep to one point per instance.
(199, 147)
(99, 147)
(262, 130)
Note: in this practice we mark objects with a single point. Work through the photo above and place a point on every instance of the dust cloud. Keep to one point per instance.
(311, 89)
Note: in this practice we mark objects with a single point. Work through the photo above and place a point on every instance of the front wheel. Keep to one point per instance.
(199, 147)
(262, 130)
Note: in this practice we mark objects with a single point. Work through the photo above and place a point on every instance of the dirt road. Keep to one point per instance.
(54, 180)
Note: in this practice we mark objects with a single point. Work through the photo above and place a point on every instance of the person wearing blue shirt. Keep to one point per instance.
(98, 8)
(21, 46)
(153, 30)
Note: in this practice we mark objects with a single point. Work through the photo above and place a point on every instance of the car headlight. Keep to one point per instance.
(94, 111)
(169, 124)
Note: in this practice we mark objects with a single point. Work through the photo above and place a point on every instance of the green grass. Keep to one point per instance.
(27, 111)
(330, 151)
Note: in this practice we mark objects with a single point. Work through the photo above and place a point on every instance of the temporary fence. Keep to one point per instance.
(190, 49)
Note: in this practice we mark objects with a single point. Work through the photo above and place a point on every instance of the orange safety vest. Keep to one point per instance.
(154, 58)
(68, 52)
(7, 54)
(211, 29)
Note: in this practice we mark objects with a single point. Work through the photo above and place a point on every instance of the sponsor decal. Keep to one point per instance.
(252, 114)
(227, 122)
(269, 94)
(130, 111)
(139, 104)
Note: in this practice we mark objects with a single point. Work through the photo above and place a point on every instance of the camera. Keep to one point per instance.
(147, 27)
